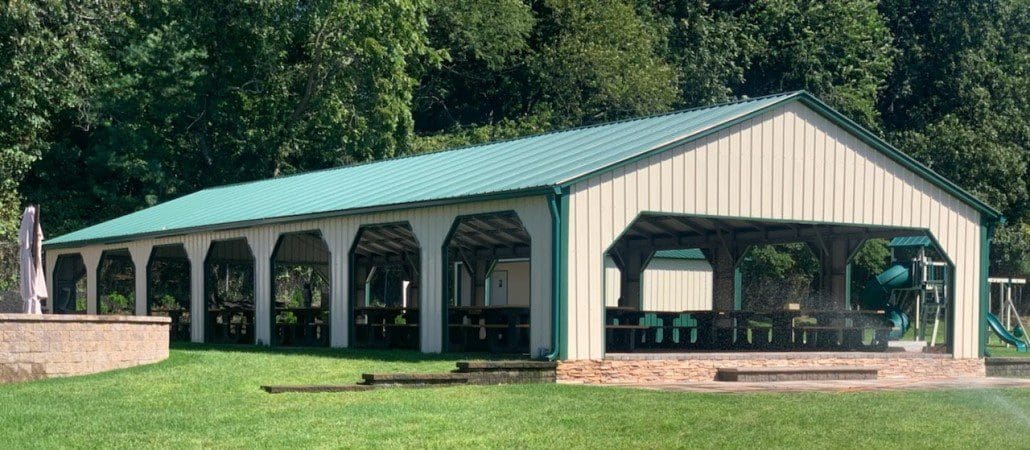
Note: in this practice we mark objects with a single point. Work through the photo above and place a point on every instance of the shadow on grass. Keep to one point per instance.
(346, 353)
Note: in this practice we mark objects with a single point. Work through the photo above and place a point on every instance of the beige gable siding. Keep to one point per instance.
(788, 163)
(667, 285)
(430, 225)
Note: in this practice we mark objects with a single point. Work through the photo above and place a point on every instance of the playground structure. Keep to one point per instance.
(1005, 290)
(913, 291)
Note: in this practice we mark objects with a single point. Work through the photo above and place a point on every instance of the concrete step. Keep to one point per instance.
(772, 374)
(506, 366)
(414, 379)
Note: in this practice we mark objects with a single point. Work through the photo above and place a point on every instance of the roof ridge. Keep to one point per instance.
(742, 100)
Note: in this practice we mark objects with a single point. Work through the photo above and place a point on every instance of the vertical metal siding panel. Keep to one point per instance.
(777, 183)
(690, 184)
(593, 265)
(619, 210)
(678, 174)
(611, 283)
(664, 186)
(652, 167)
(820, 180)
(801, 164)
(839, 178)
(537, 219)
(90, 258)
(747, 184)
(729, 187)
(724, 158)
(701, 187)
(196, 250)
(766, 157)
(579, 310)
(607, 213)
(140, 253)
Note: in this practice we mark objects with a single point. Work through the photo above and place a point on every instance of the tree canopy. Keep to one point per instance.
(110, 106)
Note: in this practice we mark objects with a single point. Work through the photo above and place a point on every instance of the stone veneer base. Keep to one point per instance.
(699, 367)
(34, 347)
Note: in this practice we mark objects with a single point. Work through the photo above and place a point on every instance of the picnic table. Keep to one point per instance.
(630, 329)
(386, 327)
(499, 329)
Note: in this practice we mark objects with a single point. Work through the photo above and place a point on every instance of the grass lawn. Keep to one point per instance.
(209, 396)
(996, 347)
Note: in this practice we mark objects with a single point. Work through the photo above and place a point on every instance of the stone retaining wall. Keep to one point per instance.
(1013, 367)
(33, 347)
(697, 367)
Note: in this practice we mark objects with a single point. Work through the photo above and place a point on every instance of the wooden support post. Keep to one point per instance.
(631, 271)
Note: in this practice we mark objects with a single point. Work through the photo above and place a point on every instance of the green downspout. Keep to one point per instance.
(986, 235)
(738, 284)
(847, 285)
(554, 201)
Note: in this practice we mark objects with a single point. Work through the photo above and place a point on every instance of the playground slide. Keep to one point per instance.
(877, 295)
(1004, 334)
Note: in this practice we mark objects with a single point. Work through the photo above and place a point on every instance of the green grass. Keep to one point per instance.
(209, 397)
(996, 347)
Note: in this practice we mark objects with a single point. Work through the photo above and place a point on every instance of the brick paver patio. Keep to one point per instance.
(835, 385)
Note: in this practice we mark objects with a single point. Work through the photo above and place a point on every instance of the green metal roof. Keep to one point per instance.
(910, 241)
(687, 253)
(525, 166)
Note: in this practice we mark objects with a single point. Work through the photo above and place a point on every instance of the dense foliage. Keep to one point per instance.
(125, 104)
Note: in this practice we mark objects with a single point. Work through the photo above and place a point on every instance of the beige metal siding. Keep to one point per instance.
(667, 285)
(677, 285)
(789, 163)
(430, 225)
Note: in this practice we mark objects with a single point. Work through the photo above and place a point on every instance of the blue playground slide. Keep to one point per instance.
(877, 294)
(1004, 334)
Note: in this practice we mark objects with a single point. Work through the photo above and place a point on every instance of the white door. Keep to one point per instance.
(499, 288)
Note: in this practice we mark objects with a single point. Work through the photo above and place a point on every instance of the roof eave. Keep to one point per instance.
(518, 193)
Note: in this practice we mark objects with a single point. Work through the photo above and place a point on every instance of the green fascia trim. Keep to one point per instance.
(688, 253)
(986, 235)
(910, 241)
(836, 118)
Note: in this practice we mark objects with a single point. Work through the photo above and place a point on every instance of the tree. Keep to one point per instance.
(709, 47)
(840, 50)
(957, 101)
(51, 59)
(599, 61)
(196, 94)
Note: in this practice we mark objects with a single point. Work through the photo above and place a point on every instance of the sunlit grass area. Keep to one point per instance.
(210, 397)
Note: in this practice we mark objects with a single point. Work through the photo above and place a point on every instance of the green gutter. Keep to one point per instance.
(559, 207)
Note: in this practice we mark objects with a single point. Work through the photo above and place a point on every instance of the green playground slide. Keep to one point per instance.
(877, 295)
(1004, 334)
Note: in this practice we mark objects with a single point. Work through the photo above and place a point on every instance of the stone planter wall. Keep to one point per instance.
(1012, 367)
(698, 367)
(33, 347)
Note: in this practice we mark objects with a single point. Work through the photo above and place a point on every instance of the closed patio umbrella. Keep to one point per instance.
(30, 252)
